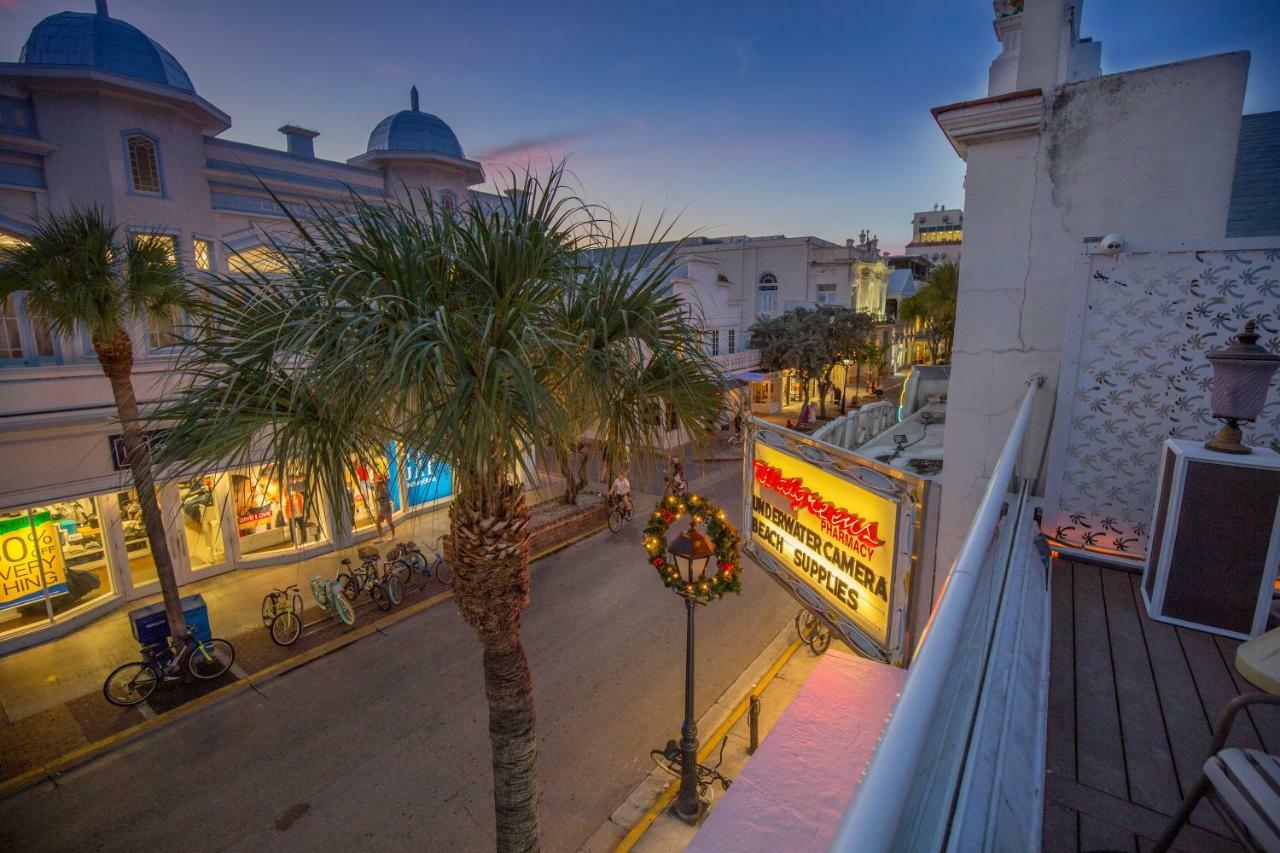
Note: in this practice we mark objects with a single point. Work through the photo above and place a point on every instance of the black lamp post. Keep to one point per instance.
(691, 551)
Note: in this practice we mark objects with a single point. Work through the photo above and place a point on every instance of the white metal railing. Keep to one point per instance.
(928, 719)
(854, 429)
(741, 360)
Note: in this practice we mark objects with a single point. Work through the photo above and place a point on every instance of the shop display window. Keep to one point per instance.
(142, 563)
(52, 562)
(271, 516)
(201, 520)
(425, 479)
(362, 480)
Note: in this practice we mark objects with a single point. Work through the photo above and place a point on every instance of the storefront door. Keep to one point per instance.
(193, 513)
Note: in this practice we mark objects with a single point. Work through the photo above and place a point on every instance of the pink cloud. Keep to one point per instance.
(551, 148)
(10, 5)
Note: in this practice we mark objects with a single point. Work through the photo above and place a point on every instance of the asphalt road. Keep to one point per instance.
(384, 744)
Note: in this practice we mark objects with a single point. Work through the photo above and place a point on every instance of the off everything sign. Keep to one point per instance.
(30, 560)
(835, 536)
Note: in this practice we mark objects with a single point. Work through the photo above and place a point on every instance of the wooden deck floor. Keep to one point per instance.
(1132, 703)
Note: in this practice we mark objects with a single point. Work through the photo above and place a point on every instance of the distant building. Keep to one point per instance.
(936, 234)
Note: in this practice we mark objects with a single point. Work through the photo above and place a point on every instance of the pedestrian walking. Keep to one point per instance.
(382, 504)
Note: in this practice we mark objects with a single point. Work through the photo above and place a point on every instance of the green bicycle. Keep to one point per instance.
(282, 614)
(329, 597)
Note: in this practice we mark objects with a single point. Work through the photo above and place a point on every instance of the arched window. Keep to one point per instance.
(767, 294)
(448, 202)
(144, 163)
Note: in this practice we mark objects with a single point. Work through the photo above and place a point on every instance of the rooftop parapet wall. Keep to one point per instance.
(1147, 154)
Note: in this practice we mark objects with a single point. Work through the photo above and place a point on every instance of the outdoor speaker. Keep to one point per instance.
(1215, 539)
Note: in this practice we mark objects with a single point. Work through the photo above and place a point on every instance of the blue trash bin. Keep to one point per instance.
(151, 626)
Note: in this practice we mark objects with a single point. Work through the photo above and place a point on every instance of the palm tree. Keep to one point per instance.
(933, 309)
(477, 335)
(79, 275)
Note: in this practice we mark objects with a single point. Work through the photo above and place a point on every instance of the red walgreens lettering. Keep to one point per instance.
(795, 491)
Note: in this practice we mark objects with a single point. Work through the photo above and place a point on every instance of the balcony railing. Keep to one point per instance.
(856, 428)
(960, 765)
(744, 360)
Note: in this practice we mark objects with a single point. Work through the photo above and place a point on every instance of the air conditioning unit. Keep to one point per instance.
(1215, 539)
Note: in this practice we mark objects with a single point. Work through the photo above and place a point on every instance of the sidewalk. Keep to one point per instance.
(643, 822)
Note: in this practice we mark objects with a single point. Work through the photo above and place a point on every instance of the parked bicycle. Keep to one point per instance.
(619, 512)
(384, 588)
(670, 759)
(406, 561)
(203, 660)
(675, 486)
(329, 597)
(812, 631)
(282, 614)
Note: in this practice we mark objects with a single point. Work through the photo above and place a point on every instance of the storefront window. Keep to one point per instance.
(425, 479)
(52, 552)
(271, 517)
(142, 563)
(201, 523)
(362, 490)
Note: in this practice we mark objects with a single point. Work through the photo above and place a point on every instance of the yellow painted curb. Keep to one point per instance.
(642, 826)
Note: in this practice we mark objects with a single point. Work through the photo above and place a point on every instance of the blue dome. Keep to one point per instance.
(109, 44)
(411, 130)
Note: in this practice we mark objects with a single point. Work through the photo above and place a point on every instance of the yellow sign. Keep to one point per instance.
(27, 547)
(835, 536)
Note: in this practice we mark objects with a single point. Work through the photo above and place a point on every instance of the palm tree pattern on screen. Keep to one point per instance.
(81, 276)
(476, 335)
(1141, 375)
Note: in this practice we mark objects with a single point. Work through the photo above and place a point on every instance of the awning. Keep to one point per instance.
(751, 376)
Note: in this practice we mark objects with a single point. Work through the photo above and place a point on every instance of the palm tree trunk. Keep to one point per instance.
(488, 548)
(116, 357)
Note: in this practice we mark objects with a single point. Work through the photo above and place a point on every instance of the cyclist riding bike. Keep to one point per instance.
(621, 489)
(676, 482)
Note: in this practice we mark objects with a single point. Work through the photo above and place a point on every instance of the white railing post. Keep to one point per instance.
(872, 821)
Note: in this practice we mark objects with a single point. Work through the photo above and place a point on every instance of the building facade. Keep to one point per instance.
(94, 112)
(936, 234)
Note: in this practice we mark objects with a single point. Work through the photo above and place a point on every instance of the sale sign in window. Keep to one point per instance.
(30, 559)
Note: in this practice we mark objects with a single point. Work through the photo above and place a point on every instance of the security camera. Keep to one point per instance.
(1111, 244)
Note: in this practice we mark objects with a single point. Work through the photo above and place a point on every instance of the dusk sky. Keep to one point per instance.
(742, 117)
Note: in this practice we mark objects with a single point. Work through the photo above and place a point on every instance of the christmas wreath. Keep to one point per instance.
(719, 530)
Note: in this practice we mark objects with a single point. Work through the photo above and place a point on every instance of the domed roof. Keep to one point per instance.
(413, 130)
(109, 44)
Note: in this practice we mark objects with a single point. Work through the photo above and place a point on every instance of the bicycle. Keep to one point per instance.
(384, 588)
(132, 683)
(282, 614)
(329, 597)
(405, 560)
(670, 759)
(679, 489)
(812, 632)
(618, 512)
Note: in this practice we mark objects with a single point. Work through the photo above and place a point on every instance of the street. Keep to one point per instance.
(383, 745)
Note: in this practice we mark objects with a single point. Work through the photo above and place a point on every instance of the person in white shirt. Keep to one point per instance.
(622, 488)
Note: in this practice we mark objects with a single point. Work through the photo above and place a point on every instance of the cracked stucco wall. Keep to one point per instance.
(1147, 154)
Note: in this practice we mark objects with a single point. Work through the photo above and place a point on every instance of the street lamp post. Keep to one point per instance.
(691, 551)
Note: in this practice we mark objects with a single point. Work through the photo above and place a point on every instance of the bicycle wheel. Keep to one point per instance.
(296, 606)
(806, 624)
(443, 572)
(417, 562)
(268, 608)
(378, 592)
(400, 570)
(821, 641)
(130, 684)
(349, 584)
(344, 610)
(395, 589)
(211, 658)
(286, 628)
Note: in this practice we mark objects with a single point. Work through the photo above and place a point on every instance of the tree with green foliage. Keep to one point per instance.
(933, 309)
(811, 342)
(81, 276)
(477, 335)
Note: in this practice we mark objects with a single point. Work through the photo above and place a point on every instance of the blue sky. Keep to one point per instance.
(740, 117)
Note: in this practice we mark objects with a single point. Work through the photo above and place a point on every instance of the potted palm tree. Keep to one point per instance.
(476, 336)
(80, 276)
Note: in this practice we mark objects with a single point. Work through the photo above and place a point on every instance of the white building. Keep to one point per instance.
(94, 112)
(729, 282)
(936, 234)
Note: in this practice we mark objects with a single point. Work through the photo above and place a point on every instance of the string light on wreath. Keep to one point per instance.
(721, 533)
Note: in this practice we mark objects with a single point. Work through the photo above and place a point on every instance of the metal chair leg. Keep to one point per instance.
(1184, 814)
